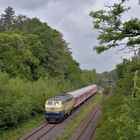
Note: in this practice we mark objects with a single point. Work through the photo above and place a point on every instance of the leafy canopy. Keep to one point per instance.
(114, 31)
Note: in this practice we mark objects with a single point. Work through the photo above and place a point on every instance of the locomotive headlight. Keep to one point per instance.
(57, 103)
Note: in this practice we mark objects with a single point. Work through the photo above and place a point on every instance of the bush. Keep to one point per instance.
(20, 100)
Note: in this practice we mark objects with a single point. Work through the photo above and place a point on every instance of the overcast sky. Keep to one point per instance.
(71, 18)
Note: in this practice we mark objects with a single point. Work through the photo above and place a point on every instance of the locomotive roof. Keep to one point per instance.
(81, 91)
(61, 97)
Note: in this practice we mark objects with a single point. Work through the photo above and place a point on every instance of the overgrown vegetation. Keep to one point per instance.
(121, 111)
(22, 128)
(35, 64)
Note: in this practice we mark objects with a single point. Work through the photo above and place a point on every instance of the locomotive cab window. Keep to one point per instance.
(68, 100)
(50, 103)
(64, 102)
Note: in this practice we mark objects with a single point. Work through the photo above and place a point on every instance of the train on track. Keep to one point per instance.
(59, 107)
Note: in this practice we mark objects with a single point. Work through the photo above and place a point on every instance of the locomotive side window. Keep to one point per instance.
(68, 100)
(64, 102)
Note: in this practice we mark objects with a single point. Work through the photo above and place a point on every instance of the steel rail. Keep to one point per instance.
(35, 131)
(46, 132)
(87, 123)
(94, 129)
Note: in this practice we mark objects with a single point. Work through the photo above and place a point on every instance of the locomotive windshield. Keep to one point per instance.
(53, 103)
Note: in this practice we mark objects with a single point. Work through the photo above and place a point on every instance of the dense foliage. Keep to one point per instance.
(121, 111)
(33, 48)
(35, 64)
(114, 31)
(21, 99)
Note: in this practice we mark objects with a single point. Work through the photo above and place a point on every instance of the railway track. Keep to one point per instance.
(48, 131)
(39, 132)
(88, 128)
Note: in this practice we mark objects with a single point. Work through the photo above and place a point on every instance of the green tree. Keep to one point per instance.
(8, 18)
(120, 112)
(57, 64)
(1, 26)
(16, 57)
(25, 24)
(115, 32)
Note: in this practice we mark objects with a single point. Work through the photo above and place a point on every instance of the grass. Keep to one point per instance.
(79, 118)
(13, 134)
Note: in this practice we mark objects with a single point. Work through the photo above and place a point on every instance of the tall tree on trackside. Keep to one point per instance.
(115, 32)
(7, 19)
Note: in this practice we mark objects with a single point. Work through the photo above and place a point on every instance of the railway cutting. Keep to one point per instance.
(49, 131)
